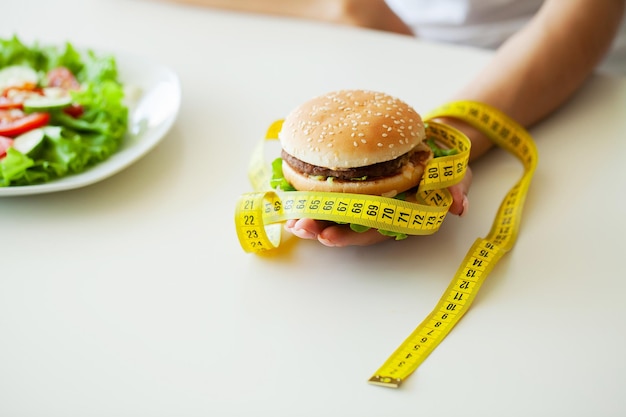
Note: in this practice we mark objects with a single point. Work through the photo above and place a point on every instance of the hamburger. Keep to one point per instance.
(354, 141)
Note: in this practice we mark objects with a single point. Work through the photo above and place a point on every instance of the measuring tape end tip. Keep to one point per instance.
(385, 381)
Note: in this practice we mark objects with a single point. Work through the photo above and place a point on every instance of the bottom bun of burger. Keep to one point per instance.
(354, 141)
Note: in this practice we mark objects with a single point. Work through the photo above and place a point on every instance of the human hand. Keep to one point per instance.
(333, 234)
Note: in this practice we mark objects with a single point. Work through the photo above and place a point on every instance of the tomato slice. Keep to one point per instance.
(5, 143)
(15, 122)
(7, 103)
(74, 110)
(13, 97)
(63, 78)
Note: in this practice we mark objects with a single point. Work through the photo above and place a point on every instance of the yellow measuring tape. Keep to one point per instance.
(259, 214)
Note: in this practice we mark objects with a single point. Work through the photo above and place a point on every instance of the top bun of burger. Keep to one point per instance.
(354, 141)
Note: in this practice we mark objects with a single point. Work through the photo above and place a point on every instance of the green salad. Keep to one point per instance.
(61, 111)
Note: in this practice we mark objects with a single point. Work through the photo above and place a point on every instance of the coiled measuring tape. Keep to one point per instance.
(258, 212)
(258, 218)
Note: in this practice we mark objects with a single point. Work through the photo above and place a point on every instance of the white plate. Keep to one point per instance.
(153, 110)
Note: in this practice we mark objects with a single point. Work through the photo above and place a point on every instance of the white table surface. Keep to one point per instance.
(133, 297)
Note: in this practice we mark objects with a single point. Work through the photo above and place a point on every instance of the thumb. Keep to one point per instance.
(460, 202)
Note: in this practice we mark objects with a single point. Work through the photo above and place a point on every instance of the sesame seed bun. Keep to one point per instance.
(354, 141)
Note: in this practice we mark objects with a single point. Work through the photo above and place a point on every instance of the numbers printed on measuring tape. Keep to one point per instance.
(256, 211)
(443, 172)
(259, 212)
(482, 256)
(502, 130)
(453, 304)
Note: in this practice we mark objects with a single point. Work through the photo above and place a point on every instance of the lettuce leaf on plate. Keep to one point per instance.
(75, 143)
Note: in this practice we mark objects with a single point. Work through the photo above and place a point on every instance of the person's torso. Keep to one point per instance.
(482, 23)
(485, 24)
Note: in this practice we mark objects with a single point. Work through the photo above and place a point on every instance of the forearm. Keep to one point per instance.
(313, 9)
(541, 67)
(372, 14)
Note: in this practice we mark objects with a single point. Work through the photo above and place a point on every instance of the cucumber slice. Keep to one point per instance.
(52, 132)
(17, 75)
(28, 142)
(45, 103)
